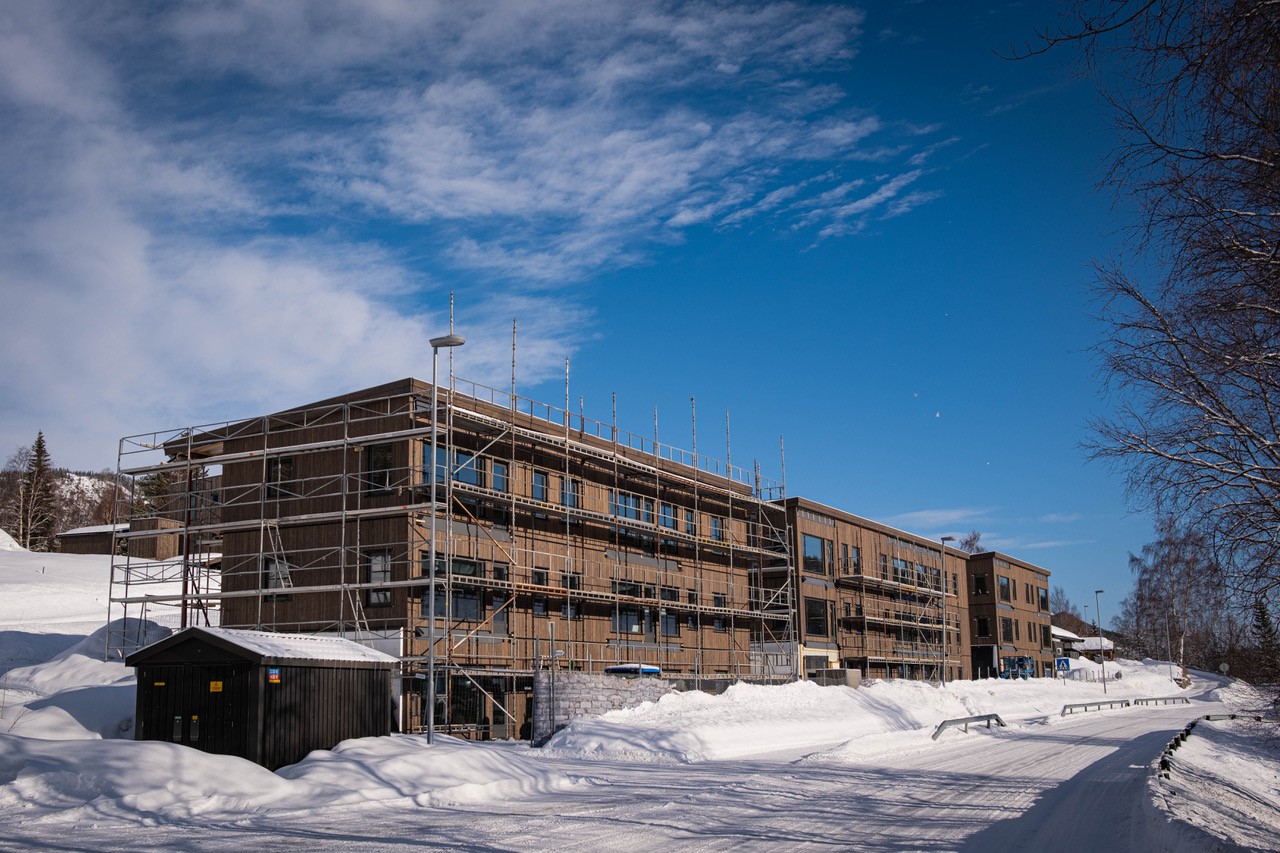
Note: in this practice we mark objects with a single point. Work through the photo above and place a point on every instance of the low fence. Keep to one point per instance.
(965, 721)
(1085, 706)
(1164, 700)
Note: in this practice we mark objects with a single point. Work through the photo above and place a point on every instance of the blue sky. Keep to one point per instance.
(853, 226)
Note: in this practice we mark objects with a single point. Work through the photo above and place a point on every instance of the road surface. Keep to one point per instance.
(1077, 784)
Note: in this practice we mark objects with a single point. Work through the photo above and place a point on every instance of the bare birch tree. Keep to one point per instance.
(1193, 343)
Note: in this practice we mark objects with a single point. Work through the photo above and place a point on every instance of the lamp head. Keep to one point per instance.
(449, 340)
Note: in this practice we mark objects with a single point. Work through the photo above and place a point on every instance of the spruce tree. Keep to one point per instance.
(39, 504)
(1267, 640)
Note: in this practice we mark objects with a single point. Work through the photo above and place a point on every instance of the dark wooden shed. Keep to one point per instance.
(270, 698)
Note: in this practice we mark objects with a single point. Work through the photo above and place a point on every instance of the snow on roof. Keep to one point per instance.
(1064, 634)
(96, 528)
(279, 648)
(1091, 644)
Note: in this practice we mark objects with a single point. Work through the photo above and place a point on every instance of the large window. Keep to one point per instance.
(275, 575)
(690, 522)
(571, 493)
(667, 516)
(816, 618)
(718, 600)
(717, 529)
(1006, 629)
(815, 554)
(377, 465)
(378, 571)
(280, 477)
(540, 486)
(468, 605)
(465, 466)
(628, 620)
(1006, 588)
(1044, 599)
(980, 585)
(1046, 637)
(501, 474)
(983, 627)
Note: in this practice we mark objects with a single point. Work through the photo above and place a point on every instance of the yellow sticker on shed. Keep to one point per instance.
(215, 686)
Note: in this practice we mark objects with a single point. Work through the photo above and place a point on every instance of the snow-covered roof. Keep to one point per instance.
(1064, 634)
(96, 528)
(275, 648)
(1091, 644)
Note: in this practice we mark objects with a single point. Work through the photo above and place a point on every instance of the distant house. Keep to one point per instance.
(1065, 643)
(1090, 645)
(98, 538)
(89, 540)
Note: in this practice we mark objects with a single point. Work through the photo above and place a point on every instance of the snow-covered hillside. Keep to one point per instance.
(67, 759)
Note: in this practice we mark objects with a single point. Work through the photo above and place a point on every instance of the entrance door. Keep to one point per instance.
(204, 706)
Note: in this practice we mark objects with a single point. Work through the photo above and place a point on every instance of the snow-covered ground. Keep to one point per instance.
(786, 767)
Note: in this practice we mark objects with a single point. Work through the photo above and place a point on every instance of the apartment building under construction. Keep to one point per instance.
(559, 540)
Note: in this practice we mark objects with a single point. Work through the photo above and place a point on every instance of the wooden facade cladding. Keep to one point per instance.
(882, 589)
(1009, 614)
(546, 523)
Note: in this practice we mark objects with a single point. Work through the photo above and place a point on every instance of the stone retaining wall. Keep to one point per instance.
(580, 694)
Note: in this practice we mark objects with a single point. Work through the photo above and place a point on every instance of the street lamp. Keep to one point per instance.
(449, 340)
(1102, 653)
(943, 564)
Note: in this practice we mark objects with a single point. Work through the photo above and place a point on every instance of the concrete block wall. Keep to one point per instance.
(580, 694)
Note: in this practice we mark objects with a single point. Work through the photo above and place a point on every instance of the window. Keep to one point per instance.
(856, 554)
(1044, 600)
(465, 466)
(279, 476)
(980, 585)
(501, 474)
(648, 510)
(717, 528)
(1027, 591)
(570, 493)
(627, 620)
(500, 571)
(848, 610)
(539, 606)
(718, 600)
(570, 610)
(984, 627)
(1046, 637)
(815, 553)
(468, 468)
(377, 466)
(1005, 588)
(1017, 630)
(625, 505)
(1006, 630)
(690, 522)
(884, 567)
(378, 571)
(275, 575)
(540, 486)
(539, 577)
(571, 581)
(669, 623)
(498, 622)
(815, 618)
(468, 606)
(667, 516)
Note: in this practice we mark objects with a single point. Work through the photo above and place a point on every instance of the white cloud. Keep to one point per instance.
(943, 517)
(195, 194)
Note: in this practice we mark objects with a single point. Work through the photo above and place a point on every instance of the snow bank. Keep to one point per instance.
(832, 723)
(8, 543)
(1224, 785)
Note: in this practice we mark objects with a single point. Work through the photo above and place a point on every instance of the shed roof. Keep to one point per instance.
(96, 528)
(265, 647)
(1064, 634)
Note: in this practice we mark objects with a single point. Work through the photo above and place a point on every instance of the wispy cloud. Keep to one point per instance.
(1061, 517)
(196, 194)
(943, 517)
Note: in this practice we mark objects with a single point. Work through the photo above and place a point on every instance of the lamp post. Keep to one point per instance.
(943, 568)
(1102, 653)
(449, 340)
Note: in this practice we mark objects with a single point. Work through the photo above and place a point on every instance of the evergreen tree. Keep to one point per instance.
(38, 504)
(1267, 640)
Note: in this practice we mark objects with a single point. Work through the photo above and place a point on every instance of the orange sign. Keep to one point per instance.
(215, 686)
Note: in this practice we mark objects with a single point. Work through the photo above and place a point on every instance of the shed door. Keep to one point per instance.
(205, 706)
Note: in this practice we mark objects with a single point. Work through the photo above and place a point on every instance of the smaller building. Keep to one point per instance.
(96, 539)
(1065, 643)
(1090, 645)
(270, 698)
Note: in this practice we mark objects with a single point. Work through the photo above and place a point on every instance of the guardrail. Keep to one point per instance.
(1166, 759)
(965, 721)
(1110, 703)
(1163, 700)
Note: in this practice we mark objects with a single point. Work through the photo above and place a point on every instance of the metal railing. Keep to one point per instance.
(965, 721)
(1163, 700)
(1110, 703)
